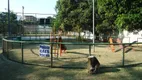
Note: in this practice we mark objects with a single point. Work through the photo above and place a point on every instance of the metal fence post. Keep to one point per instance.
(12, 45)
(6, 48)
(51, 55)
(3, 46)
(22, 53)
(129, 39)
(137, 42)
(89, 50)
(57, 50)
(123, 57)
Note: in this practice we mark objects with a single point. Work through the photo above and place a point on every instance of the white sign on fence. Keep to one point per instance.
(44, 50)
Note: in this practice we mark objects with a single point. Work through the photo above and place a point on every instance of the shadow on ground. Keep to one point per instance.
(14, 71)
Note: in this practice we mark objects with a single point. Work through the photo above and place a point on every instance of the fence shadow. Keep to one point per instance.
(73, 52)
(105, 69)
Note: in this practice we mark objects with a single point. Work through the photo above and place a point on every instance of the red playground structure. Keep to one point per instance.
(62, 46)
(59, 46)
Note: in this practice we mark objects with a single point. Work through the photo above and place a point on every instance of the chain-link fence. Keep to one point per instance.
(26, 23)
(36, 23)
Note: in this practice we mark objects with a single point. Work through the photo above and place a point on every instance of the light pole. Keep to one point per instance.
(22, 20)
(93, 27)
(9, 28)
(23, 12)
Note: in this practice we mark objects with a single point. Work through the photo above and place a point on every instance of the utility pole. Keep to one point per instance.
(93, 27)
(22, 20)
(23, 12)
(9, 28)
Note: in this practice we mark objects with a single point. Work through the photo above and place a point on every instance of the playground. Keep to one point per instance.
(73, 64)
(68, 59)
(80, 41)
(75, 54)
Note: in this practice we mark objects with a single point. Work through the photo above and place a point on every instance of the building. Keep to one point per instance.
(130, 37)
(30, 18)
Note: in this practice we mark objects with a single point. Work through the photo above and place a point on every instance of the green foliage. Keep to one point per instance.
(16, 26)
(110, 15)
(74, 14)
(120, 14)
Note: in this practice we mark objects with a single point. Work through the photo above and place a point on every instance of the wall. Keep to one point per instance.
(129, 37)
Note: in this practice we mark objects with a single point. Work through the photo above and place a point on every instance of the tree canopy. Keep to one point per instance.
(74, 14)
(15, 25)
(109, 15)
(121, 14)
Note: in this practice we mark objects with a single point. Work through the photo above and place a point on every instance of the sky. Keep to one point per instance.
(30, 6)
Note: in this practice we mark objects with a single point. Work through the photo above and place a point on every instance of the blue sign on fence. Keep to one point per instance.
(44, 50)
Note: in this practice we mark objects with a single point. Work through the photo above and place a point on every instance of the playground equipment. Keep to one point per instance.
(57, 47)
(62, 46)
(54, 39)
(111, 46)
(119, 41)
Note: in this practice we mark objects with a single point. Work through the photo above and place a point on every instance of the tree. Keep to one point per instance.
(50, 21)
(16, 26)
(107, 11)
(120, 14)
(74, 14)
(130, 15)
(110, 15)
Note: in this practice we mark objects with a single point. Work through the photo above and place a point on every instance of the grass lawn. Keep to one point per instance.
(15, 71)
